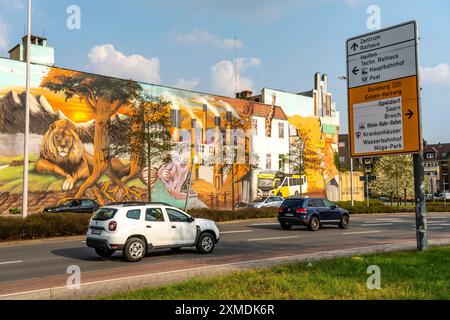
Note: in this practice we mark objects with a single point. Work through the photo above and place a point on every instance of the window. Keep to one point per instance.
(342, 144)
(104, 214)
(315, 203)
(268, 161)
(86, 203)
(134, 214)
(328, 204)
(176, 216)
(154, 215)
(255, 127)
(430, 156)
(281, 130)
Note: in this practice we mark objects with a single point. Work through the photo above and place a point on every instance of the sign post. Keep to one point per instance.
(384, 102)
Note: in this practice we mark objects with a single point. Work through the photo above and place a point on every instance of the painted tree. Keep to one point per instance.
(145, 135)
(296, 158)
(236, 125)
(394, 175)
(103, 96)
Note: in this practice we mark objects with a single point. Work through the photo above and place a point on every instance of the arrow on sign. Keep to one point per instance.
(355, 46)
(409, 114)
(355, 71)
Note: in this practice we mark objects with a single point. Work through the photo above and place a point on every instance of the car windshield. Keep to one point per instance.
(260, 200)
(104, 214)
(265, 183)
(293, 203)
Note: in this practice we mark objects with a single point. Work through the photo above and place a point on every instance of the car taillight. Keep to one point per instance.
(112, 226)
(280, 210)
(301, 210)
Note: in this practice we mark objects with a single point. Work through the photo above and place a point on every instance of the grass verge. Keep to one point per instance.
(404, 275)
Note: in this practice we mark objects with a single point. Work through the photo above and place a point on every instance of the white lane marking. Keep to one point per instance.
(268, 239)
(361, 232)
(435, 228)
(11, 262)
(376, 224)
(240, 231)
(83, 241)
(390, 220)
(436, 222)
(264, 224)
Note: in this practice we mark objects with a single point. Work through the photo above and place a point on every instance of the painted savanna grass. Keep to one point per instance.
(404, 275)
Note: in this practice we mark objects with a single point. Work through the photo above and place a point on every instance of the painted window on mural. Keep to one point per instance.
(255, 127)
(281, 130)
(268, 161)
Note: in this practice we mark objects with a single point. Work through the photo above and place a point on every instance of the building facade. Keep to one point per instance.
(74, 120)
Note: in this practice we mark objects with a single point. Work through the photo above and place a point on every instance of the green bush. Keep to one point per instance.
(14, 211)
(375, 206)
(43, 226)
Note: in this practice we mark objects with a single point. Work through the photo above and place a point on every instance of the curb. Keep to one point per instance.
(126, 284)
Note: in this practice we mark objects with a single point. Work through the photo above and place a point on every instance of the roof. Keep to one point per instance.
(259, 109)
(441, 149)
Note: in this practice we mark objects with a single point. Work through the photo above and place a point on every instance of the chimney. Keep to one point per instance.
(244, 94)
(175, 123)
(217, 122)
(39, 51)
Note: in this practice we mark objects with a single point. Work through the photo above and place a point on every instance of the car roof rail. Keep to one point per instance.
(137, 203)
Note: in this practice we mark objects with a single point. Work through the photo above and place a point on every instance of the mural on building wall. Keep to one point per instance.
(76, 117)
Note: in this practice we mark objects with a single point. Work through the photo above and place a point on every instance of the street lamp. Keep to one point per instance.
(27, 120)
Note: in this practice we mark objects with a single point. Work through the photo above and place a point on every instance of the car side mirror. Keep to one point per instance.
(334, 206)
(191, 219)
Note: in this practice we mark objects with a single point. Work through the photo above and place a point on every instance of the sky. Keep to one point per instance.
(190, 44)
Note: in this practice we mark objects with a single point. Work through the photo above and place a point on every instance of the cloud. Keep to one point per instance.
(204, 38)
(105, 59)
(439, 75)
(223, 77)
(4, 31)
(186, 84)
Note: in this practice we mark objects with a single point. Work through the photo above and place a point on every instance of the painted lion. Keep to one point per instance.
(63, 153)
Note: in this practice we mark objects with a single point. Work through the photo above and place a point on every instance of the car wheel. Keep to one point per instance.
(104, 253)
(314, 224)
(206, 243)
(134, 250)
(345, 222)
(286, 226)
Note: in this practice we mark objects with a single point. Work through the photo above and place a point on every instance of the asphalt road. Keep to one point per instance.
(44, 265)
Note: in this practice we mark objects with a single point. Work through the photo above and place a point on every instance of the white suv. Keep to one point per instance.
(135, 228)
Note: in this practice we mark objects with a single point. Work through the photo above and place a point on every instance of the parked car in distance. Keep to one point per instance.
(444, 196)
(75, 205)
(313, 213)
(269, 202)
(135, 229)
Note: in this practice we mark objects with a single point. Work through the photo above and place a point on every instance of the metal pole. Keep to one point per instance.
(421, 210)
(27, 120)
(367, 189)
(190, 184)
(351, 182)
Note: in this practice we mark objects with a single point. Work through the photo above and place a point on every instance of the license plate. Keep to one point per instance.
(97, 232)
(289, 215)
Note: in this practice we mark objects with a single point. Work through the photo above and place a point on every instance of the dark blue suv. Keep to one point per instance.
(313, 213)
